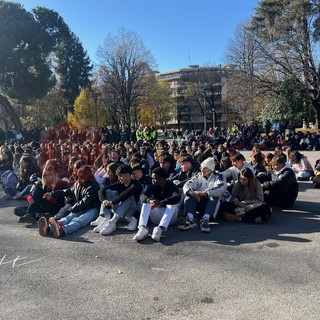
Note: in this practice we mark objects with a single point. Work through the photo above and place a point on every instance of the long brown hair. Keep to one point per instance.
(84, 175)
(247, 173)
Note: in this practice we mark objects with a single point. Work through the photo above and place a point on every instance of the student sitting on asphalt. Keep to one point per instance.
(118, 202)
(84, 194)
(38, 206)
(301, 166)
(145, 180)
(160, 202)
(202, 193)
(246, 203)
(232, 173)
(280, 185)
(189, 168)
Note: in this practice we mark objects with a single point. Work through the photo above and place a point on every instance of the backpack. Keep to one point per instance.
(9, 179)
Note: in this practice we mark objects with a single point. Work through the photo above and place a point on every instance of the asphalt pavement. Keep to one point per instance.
(238, 271)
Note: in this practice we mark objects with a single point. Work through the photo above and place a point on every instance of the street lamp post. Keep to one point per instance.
(213, 119)
(204, 112)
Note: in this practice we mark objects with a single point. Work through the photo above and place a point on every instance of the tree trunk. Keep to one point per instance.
(4, 102)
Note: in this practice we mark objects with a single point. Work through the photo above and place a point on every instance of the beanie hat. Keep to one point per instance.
(209, 163)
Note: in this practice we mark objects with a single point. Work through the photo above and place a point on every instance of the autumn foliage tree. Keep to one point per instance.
(156, 106)
(88, 111)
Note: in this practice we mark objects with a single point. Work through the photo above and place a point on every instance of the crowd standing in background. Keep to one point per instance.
(71, 178)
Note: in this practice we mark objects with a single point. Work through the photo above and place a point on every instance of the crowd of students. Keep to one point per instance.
(71, 184)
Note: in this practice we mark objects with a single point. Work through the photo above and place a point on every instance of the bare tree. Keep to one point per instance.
(125, 64)
(204, 88)
(287, 32)
(250, 78)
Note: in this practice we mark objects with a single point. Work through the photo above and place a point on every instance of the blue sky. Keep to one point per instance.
(177, 32)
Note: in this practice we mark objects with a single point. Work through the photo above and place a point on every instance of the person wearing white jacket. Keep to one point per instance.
(202, 194)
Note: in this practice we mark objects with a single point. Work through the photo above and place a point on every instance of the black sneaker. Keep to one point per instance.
(20, 211)
(204, 225)
(27, 218)
(189, 224)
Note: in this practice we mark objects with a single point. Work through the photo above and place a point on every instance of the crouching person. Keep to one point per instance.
(160, 203)
(202, 194)
(84, 194)
(246, 200)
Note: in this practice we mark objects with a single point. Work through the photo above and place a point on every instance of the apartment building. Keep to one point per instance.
(197, 96)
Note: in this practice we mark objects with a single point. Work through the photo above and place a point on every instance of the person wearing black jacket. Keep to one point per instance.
(280, 186)
(144, 180)
(84, 208)
(38, 206)
(118, 202)
(160, 203)
(189, 168)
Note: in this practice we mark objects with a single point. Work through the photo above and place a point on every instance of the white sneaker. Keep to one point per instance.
(141, 234)
(108, 228)
(96, 222)
(101, 225)
(132, 226)
(156, 234)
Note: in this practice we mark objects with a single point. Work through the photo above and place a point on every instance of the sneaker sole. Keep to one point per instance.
(43, 225)
(54, 227)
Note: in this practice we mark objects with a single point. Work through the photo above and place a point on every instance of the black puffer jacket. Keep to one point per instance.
(281, 189)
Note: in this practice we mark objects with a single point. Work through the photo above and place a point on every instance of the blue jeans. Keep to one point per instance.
(124, 209)
(13, 191)
(26, 190)
(205, 206)
(75, 221)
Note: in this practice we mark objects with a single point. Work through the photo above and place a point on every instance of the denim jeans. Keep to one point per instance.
(205, 206)
(163, 216)
(75, 221)
(26, 190)
(13, 191)
(124, 209)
